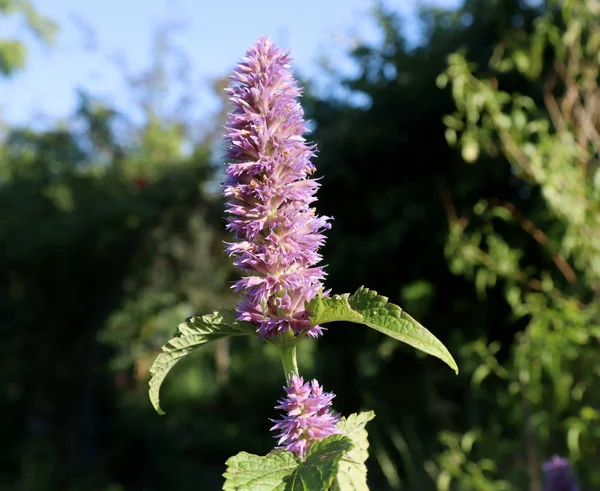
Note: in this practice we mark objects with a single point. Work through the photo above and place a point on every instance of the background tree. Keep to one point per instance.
(13, 52)
(542, 399)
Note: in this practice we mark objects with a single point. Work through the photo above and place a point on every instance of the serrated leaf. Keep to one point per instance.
(352, 473)
(329, 309)
(251, 472)
(283, 471)
(321, 466)
(373, 310)
(191, 334)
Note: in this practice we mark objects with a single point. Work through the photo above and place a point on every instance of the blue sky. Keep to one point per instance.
(212, 33)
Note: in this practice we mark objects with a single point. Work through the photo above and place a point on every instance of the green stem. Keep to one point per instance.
(287, 350)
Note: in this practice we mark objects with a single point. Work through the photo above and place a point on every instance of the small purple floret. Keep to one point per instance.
(559, 476)
(308, 416)
(269, 194)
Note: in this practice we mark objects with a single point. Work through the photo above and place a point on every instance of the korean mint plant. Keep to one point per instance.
(276, 231)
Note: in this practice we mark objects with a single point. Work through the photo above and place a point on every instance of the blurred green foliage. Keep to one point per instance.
(13, 52)
(111, 234)
(544, 398)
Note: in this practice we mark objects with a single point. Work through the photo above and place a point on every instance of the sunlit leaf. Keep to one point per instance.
(283, 471)
(373, 310)
(191, 334)
(352, 473)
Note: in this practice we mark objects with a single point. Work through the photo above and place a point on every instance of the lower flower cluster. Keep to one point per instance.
(308, 416)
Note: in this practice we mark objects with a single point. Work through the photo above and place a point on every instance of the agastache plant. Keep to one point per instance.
(270, 190)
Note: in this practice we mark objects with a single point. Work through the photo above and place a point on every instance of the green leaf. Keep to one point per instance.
(352, 473)
(12, 56)
(283, 471)
(368, 308)
(321, 466)
(330, 309)
(190, 335)
(252, 472)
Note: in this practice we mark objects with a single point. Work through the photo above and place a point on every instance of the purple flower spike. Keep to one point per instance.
(559, 476)
(308, 417)
(269, 193)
